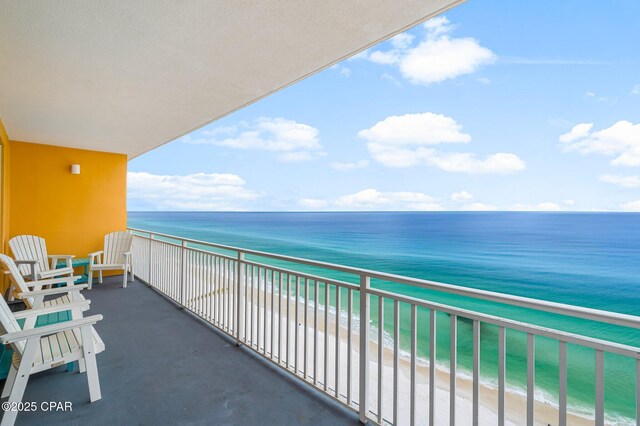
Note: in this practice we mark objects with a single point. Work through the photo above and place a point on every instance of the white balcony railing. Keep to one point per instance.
(320, 330)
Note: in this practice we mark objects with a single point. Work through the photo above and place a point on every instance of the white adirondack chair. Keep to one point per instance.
(32, 293)
(43, 348)
(31, 255)
(115, 256)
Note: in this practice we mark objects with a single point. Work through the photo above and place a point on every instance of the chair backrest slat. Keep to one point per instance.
(115, 245)
(18, 280)
(30, 247)
(7, 320)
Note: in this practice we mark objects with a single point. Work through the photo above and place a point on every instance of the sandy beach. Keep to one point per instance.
(260, 339)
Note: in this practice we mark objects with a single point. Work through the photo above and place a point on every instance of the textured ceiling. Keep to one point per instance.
(128, 76)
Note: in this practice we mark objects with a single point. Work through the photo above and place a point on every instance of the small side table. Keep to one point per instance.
(78, 262)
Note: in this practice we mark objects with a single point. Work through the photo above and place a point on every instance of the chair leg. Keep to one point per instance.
(10, 295)
(90, 360)
(124, 277)
(131, 276)
(89, 279)
(21, 379)
(100, 277)
(8, 384)
(81, 366)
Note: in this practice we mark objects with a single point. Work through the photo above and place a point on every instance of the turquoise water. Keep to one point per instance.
(586, 259)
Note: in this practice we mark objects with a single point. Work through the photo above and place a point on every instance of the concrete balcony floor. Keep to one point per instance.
(162, 366)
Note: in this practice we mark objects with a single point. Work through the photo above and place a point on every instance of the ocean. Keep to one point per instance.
(585, 259)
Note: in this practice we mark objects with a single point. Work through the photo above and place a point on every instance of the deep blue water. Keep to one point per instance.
(586, 259)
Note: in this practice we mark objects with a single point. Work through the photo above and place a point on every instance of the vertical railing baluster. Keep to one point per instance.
(245, 285)
(315, 332)
(476, 372)
(414, 350)
(380, 355)
(288, 321)
(562, 385)
(599, 388)
(337, 369)
(531, 368)
(349, 343)
(306, 329)
(396, 350)
(237, 295)
(432, 367)
(638, 392)
(273, 291)
(183, 271)
(280, 277)
(326, 336)
(365, 317)
(252, 304)
(453, 359)
(502, 354)
(296, 330)
(264, 313)
(150, 258)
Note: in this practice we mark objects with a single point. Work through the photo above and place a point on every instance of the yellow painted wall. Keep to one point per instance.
(72, 212)
(4, 186)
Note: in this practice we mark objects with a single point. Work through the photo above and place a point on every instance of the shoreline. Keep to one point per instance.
(546, 413)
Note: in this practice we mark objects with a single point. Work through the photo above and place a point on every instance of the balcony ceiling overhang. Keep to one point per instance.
(129, 76)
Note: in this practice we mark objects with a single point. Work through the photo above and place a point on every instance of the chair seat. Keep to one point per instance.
(63, 300)
(60, 348)
(106, 266)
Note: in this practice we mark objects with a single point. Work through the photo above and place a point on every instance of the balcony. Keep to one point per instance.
(163, 366)
(227, 335)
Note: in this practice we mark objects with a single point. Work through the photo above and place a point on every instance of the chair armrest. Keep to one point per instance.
(55, 272)
(50, 291)
(51, 309)
(96, 253)
(48, 329)
(25, 262)
(61, 256)
(67, 280)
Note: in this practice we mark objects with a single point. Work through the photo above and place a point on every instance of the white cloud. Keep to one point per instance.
(403, 141)
(623, 181)
(198, 191)
(546, 206)
(577, 132)
(569, 202)
(461, 196)
(622, 141)
(292, 141)
(589, 94)
(391, 79)
(416, 129)
(437, 57)
(633, 206)
(636, 90)
(343, 167)
(372, 199)
(402, 40)
(465, 162)
(479, 207)
(313, 203)
(345, 71)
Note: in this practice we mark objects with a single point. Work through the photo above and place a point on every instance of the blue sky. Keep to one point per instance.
(498, 105)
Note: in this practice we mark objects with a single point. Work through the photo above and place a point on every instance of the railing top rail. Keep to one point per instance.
(525, 302)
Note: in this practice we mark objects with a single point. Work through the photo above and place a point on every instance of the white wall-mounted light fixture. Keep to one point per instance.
(75, 169)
